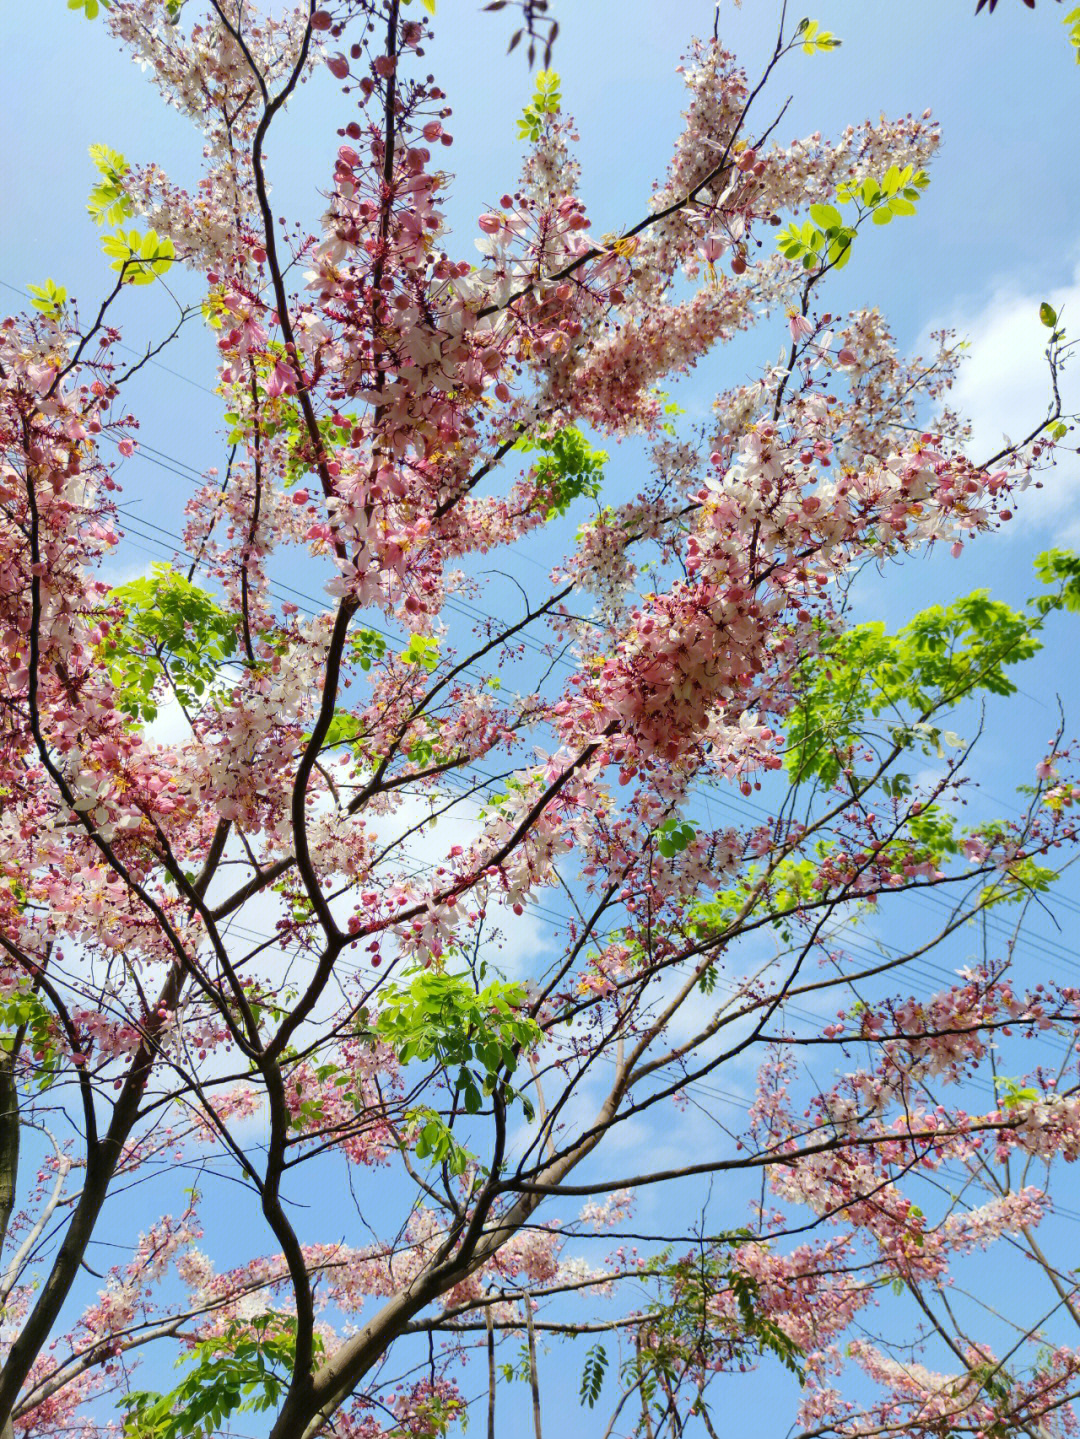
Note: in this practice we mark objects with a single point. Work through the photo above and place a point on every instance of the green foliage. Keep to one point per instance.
(673, 836)
(928, 835)
(344, 728)
(1072, 20)
(997, 1383)
(422, 650)
(368, 647)
(933, 832)
(522, 1370)
(49, 298)
(434, 1140)
(1049, 317)
(794, 882)
(443, 1017)
(307, 1113)
(669, 407)
(566, 467)
(817, 241)
(827, 238)
(334, 429)
(261, 1003)
(9, 881)
(311, 1112)
(712, 916)
(764, 1333)
(813, 38)
(425, 750)
(171, 628)
(247, 1369)
(1060, 568)
(685, 1318)
(946, 653)
(943, 655)
(895, 194)
(89, 7)
(545, 101)
(280, 415)
(1011, 1094)
(22, 1009)
(592, 1378)
(495, 799)
(1023, 877)
(108, 203)
(140, 259)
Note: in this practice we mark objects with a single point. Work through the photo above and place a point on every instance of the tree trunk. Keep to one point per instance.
(9, 1146)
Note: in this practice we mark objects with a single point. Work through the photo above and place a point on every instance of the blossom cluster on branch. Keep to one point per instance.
(395, 414)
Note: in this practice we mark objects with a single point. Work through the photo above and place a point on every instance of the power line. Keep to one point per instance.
(1047, 948)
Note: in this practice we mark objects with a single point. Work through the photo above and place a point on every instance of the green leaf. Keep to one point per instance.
(566, 469)
(245, 1369)
(1072, 20)
(172, 635)
(444, 1019)
(592, 1379)
(22, 1009)
(422, 650)
(1048, 315)
(108, 203)
(344, 728)
(1011, 1093)
(139, 258)
(1060, 568)
(943, 655)
(48, 298)
(895, 179)
(813, 38)
(827, 216)
(546, 101)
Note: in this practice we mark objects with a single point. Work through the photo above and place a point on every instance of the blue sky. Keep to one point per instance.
(998, 230)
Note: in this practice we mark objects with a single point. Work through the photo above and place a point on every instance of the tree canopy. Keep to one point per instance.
(271, 867)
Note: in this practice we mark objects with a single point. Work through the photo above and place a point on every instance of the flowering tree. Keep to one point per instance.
(394, 415)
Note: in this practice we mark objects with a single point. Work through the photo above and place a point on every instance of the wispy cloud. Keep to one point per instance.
(1004, 387)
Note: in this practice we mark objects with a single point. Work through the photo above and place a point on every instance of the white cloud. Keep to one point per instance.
(169, 727)
(1004, 388)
